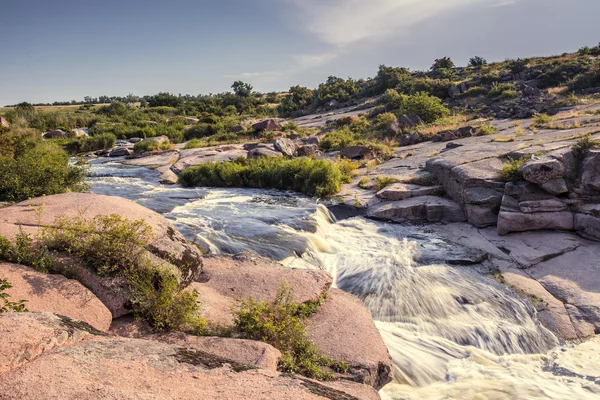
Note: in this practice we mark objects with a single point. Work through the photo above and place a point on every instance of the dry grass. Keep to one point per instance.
(69, 108)
(559, 90)
(445, 124)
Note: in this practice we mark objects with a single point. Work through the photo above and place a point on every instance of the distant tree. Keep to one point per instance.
(88, 99)
(104, 99)
(164, 99)
(24, 108)
(390, 77)
(477, 62)
(242, 89)
(517, 66)
(443, 63)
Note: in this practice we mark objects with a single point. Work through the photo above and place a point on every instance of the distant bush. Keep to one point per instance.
(517, 66)
(583, 145)
(475, 91)
(281, 324)
(31, 167)
(498, 89)
(477, 62)
(382, 182)
(589, 79)
(143, 146)
(162, 110)
(442, 63)
(389, 78)
(91, 143)
(541, 120)
(509, 94)
(203, 130)
(337, 89)
(338, 139)
(428, 107)
(309, 176)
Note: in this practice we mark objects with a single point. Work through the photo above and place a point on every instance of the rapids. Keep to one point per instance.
(452, 333)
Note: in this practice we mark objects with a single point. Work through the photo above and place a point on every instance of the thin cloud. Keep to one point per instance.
(345, 22)
(255, 75)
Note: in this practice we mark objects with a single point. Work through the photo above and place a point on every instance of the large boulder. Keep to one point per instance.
(285, 146)
(120, 152)
(55, 134)
(3, 122)
(263, 150)
(543, 170)
(591, 171)
(227, 279)
(191, 157)
(357, 153)
(402, 191)
(343, 329)
(308, 150)
(267, 125)
(521, 222)
(169, 249)
(55, 294)
(409, 120)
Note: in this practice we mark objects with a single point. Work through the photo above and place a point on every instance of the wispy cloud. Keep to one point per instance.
(256, 75)
(503, 3)
(344, 22)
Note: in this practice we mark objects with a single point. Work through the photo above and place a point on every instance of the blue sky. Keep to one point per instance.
(67, 49)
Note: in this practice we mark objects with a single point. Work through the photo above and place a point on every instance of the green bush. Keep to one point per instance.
(144, 146)
(281, 324)
(25, 253)
(477, 62)
(498, 89)
(382, 182)
(428, 107)
(91, 143)
(541, 120)
(31, 167)
(583, 145)
(310, 176)
(5, 304)
(338, 139)
(442, 63)
(114, 246)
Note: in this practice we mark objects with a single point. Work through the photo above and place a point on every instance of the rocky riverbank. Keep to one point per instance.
(80, 335)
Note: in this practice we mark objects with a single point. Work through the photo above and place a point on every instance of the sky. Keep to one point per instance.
(60, 50)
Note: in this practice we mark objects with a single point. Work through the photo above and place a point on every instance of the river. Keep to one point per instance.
(452, 333)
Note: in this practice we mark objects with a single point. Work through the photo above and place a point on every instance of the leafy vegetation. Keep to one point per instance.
(5, 304)
(309, 176)
(511, 169)
(281, 324)
(583, 145)
(382, 182)
(31, 167)
(144, 146)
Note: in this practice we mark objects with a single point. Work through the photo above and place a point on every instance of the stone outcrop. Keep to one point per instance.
(55, 294)
(285, 146)
(401, 191)
(191, 157)
(59, 358)
(357, 153)
(267, 125)
(425, 208)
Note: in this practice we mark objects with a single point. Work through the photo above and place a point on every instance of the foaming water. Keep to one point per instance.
(452, 333)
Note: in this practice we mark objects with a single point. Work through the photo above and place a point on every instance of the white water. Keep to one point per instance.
(452, 333)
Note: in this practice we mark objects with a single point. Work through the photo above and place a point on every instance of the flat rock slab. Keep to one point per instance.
(242, 276)
(343, 329)
(191, 157)
(428, 208)
(55, 294)
(247, 352)
(530, 248)
(119, 368)
(401, 191)
(154, 159)
(521, 222)
(26, 336)
(574, 278)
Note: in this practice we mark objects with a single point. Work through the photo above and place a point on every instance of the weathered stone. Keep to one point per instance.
(545, 205)
(541, 171)
(588, 226)
(237, 129)
(55, 294)
(285, 146)
(401, 191)
(520, 222)
(264, 151)
(591, 171)
(311, 140)
(120, 152)
(191, 121)
(357, 152)
(409, 120)
(555, 186)
(308, 150)
(343, 329)
(191, 157)
(25, 336)
(3, 122)
(142, 369)
(267, 125)
(247, 352)
(55, 134)
(429, 208)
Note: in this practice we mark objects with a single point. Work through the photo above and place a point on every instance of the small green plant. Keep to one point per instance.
(7, 305)
(25, 253)
(423, 180)
(541, 120)
(583, 145)
(364, 183)
(511, 169)
(486, 129)
(281, 324)
(382, 182)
